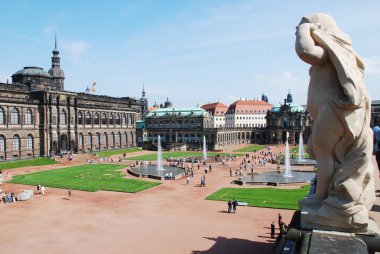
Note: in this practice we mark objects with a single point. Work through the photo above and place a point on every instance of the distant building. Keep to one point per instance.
(217, 110)
(39, 118)
(247, 114)
(288, 117)
(375, 111)
(177, 126)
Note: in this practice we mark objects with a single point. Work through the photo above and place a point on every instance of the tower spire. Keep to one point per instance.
(143, 91)
(55, 41)
(56, 72)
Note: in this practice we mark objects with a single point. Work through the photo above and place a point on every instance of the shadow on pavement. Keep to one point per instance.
(225, 245)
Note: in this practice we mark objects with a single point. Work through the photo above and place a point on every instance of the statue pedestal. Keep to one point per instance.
(336, 242)
(303, 238)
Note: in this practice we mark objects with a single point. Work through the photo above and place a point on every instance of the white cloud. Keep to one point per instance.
(75, 49)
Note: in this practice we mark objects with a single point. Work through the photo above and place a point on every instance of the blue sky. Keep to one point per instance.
(190, 51)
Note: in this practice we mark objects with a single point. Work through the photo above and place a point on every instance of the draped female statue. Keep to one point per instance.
(341, 139)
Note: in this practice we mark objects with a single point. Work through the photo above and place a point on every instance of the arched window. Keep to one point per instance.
(126, 138)
(88, 118)
(112, 139)
(129, 119)
(131, 134)
(62, 117)
(29, 142)
(112, 121)
(104, 119)
(80, 118)
(98, 139)
(119, 138)
(124, 119)
(105, 139)
(2, 116)
(16, 143)
(14, 116)
(96, 119)
(28, 116)
(117, 119)
(80, 140)
(89, 140)
(2, 143)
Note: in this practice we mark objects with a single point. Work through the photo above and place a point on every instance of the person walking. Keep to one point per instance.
(69, 194)
(229, 206)
(234, 205)
(43, 190)
(376, 141)
(272, 230)
(279, 220)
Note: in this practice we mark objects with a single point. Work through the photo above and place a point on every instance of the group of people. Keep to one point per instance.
(281, 225)
(169, 176)
(9, 197)
(232, 206)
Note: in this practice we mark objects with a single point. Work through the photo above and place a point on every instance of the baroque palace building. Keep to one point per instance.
(39, 118)
(244, 121)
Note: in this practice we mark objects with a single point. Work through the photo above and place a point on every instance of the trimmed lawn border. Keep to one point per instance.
(119, 151)
(250, 148)
(26, 163)
(93, 177)
(263, 197)
(153, 156)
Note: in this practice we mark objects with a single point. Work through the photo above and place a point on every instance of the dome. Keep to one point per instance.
(33, 71)
(57, 72)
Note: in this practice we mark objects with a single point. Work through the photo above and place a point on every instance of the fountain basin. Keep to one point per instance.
(303, 162)
(273, 178)
(151, 171)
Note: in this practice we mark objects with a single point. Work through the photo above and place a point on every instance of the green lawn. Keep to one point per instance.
(263, 197)
(87, 178)
(26, 163)
(120, 151)
(153, 156)
(250, 148)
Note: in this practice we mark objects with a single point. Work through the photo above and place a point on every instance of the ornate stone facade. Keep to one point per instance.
(39, 118)
(287, 118)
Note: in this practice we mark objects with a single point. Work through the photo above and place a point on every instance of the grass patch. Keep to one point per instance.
(263, 197)
(86, 178)
(26, 163)
(153, 156)
(119, 151)
(251, 148)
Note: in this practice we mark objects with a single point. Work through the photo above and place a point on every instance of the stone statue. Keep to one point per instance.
(341, 139)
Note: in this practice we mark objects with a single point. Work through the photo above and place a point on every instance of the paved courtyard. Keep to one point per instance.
(170, 218)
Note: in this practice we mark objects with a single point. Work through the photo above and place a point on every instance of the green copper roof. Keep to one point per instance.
(33, 71)
(293, 107)
(161, 112)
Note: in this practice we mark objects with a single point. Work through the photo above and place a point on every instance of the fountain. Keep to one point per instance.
(300, 161)
(301, 153)
(204, 148)
(288, 170)
(273, 178)
(159, 153)
(158, 171)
